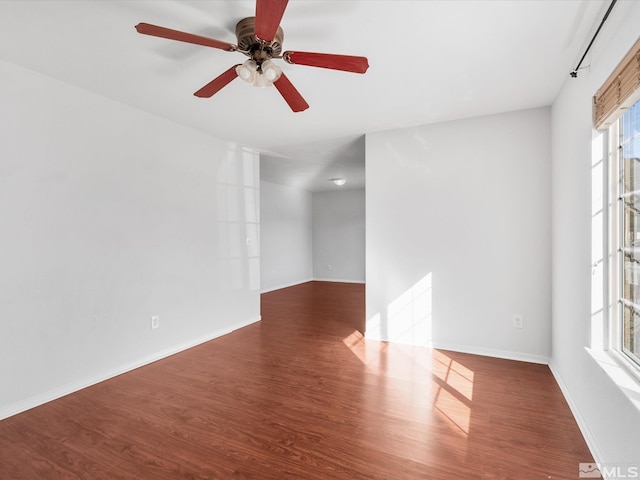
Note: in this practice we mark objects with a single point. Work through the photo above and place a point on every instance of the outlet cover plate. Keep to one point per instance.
(518, 322)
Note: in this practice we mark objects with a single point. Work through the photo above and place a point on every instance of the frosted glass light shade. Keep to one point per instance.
(247, 71)
(271, 71)
(261, 80)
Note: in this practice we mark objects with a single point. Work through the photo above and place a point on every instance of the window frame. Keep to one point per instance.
(614, 255)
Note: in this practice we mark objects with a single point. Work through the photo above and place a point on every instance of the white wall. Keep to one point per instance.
(608, 419)
(285, 236)
(109, 216)
(458, 234)
(339, 235)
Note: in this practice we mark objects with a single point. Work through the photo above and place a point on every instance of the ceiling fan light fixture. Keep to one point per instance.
(261, 80)
(270, 70)
(247, 71)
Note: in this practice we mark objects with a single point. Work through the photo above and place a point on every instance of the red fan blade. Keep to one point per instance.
(347, 63)
(215, 85)
(290, 94)
(163, 32)
(268, 16)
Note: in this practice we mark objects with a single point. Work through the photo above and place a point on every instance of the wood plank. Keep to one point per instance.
(302, 395)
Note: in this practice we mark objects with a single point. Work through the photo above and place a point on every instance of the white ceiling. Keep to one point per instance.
(430, 61)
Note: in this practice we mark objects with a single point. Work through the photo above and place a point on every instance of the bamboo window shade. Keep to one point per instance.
(619, 91)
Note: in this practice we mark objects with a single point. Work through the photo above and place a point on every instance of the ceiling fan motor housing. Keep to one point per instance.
(252, 46)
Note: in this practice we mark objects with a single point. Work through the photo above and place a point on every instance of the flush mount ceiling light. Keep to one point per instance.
(260, 38)
(338, 181)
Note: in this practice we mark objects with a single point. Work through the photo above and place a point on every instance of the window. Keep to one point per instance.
(616, 113)
(625, 139)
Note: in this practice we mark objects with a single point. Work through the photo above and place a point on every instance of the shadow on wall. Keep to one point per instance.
(408, 318)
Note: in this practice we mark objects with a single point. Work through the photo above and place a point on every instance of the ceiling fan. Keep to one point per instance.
(260, 38)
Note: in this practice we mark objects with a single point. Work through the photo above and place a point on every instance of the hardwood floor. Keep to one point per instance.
(301, 395)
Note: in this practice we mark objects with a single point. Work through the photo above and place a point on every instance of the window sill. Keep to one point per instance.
(614, 367)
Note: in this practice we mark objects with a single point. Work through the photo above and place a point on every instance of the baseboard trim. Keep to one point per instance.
(489, 352)
(338, 280)
(287, 285)
(589, 438)
(45, 397)
(310, 280)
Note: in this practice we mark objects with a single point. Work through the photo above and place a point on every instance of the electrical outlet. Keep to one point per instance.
(329, 267)
(518, 322)
(155, 322)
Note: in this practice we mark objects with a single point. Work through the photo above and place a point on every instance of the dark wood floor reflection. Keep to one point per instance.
(301, 395)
